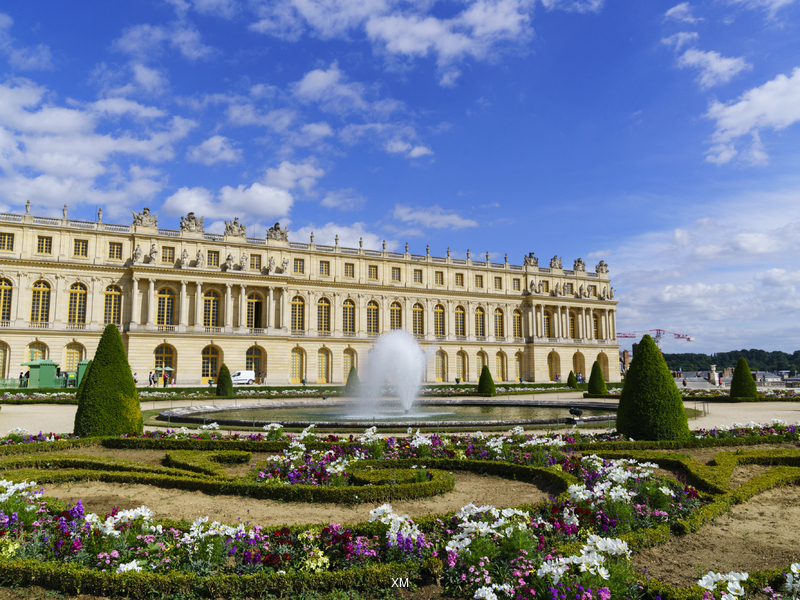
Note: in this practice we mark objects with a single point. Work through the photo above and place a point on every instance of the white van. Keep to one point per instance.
(242, 377)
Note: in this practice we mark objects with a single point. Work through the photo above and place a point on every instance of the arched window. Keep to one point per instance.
(499, 323)
(438, 320)
(37, 351)
(166, 358)
(324, 315)
(4, 354)
(603, 360)
(596, 327)
(298, 365)
(75, 354)
(500, 363)
(323, 366)
(298, 314)
(461, 365)
(461, 321)
(254, 360)
(518, 366)
(395, 316)
(572, 331)
(40, 302)
(554, 365)
(419, 320)
(76, 314)
(441, 366)
(480, 322)
(372, 317)
(255, 306)
(348, 363)
(211, 310)
(578, 364)
(517, 324)
(548, 331)
(165, 307)
(210, 367)
(5, 300)
(482, 361)
(112, 310)
(349, 317)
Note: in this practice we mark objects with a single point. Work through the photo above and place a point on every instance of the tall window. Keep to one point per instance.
(501, 366)
(596, 327)
(253, 360)
(372, 271)
(518, 366)
(4, 354)
(112, 311)
(254, 311)
(459, 280)
(325, 268)
(546, 287)
(165, 358)
(37, 351)
(438, 278)
(323, 365)
(7, 241)
(572, 326)
(479, 281)
(480, 322)
(299, 266)
(593, 290)
(349, 270)
(74, 356)
(348, 317)
(213, 258)
(461, 365)
(77, 304)
(210, 364)
(395, 273)
(498, 283)
(569, 289)
(40, 302)
(482, 361)
(255, 265)
(441, 366)
(115, 250)
(372, 317)
(168, 254)
(417, 275)
(298, 314)
(348, 362)
(210, 309)
(395, 316)
(499, 325)
(44, 245)
(419, 320)
(461, 321)
(298, 365)
(548, 331)
(324, 315)
(81, 248)
(438, 320)
(516, 285)
(5, 299)
(517, 324)
(165, 307)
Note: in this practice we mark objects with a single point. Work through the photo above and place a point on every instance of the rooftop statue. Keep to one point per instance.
(531, 261)
(233, 228)
(145, 219)
(192, 223)
(555, 262)
(276, 233)
(579, 265)
(602, 267)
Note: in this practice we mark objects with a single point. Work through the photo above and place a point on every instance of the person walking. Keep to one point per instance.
(166, 379)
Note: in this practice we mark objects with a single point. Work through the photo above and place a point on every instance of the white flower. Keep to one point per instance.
(735, 588)
(131, 566)
(665, 490)
(709, 581)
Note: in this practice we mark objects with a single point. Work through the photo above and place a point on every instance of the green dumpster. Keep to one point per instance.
(42, 373)
(82, 370)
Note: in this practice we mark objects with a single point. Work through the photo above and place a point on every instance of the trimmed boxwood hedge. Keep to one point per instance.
(742, 383)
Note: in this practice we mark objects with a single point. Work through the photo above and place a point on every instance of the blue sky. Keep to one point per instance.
(659, 136)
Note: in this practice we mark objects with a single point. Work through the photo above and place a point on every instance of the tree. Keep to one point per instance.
(742, 384)
(353, 382)
(572, 381)
(650, 406)
(224, 383)
(486, 383)
(108, 403)
(597, 384)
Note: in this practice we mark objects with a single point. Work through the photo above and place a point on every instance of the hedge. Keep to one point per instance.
(206, 463)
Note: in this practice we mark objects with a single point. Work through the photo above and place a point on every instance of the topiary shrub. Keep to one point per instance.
(743, 385)
(650, 405)
(353, 383)
(572, 381)
(108, 403)
(597, 385)
(486, 383)
(224, 383)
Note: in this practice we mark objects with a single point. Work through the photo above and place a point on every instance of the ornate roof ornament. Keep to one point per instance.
(192, 223)
(530, 260)
(280, 235)
(579, 265)
(602, 267)
(145, 218)
(555, 262)
(232, 228)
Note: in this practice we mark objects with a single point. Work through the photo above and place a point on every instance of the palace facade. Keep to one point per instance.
(289, 311)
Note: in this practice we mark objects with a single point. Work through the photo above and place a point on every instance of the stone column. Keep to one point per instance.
(589, 325)
(613, 335)
(55, 303)
(228, 306)
(605, 325)
(135, 301)
(539, 321)
(268, 314)
(361, 316)
(243, 307)
(184, 309)
(198, 306)
(90, 302)
(313, 314)
(284, 307)
(15, 314)
(151, 294)
(556, 322)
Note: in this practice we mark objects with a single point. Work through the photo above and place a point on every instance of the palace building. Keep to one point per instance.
(289, 311)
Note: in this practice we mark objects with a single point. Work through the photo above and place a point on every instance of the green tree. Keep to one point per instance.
(108, 403)
(486, 383)
(224, 383)
(572, 381)
(743, 385)
(353, 382)
(597, 384)
(650, 406)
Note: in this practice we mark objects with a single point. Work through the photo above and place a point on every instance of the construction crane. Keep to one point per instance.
(658, 334)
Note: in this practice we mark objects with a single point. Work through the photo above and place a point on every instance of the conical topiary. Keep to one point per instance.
(597, 384)
(572, 381)
(742, 384)
(353, 382)
(486, 383)
(108, 403)
(650, 406)
(224, 383)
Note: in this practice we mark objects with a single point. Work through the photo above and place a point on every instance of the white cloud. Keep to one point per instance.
(433, 216)
(680, 39)
(150, 80)
(347, 199)
(397, 146)
(580, 6)
(222, 8)
(771, 6)
(143, 41)
(289, 175)
(215, 149)
(257, 201)
(681, 13)
(715, 69)
(24, 58)
(349, 236)
(775, 105)
(246, 113)
(312, 134)
(121, 106)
